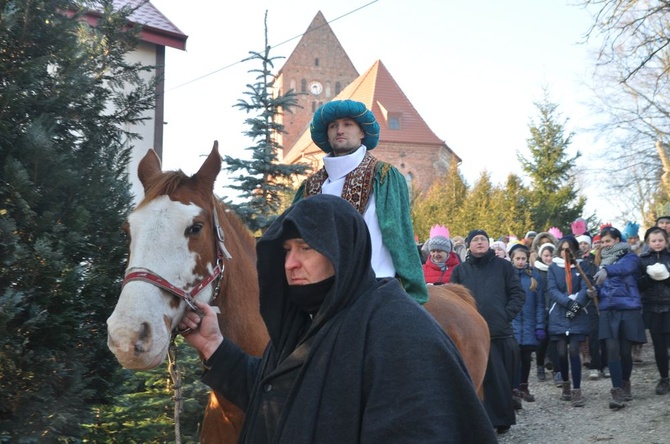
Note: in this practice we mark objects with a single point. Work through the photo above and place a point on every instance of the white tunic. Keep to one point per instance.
(337, 168)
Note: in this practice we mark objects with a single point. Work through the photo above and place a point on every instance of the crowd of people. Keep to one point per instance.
(588, 301)
(353, 354)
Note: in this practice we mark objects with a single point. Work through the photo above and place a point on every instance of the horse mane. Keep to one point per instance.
(163, 184)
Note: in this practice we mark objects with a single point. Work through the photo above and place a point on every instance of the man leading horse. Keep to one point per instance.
(351, 358)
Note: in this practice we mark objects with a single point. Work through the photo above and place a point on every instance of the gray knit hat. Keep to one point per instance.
(439, 243)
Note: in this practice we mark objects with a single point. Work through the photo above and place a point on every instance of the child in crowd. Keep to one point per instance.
(540, 267)
(528, 325)
(500, 249)
(654, 284)
(596, 349)
(620, 305)
(568, 321)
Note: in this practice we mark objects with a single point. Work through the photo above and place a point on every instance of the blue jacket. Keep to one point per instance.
(620, 291)
(559, 301)
(532, 315)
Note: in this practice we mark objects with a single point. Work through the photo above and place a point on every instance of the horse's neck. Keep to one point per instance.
(238, 296)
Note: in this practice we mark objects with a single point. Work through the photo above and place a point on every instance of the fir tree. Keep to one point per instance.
(266, 179)
(442, 204)
(554, 199)
(66, 93)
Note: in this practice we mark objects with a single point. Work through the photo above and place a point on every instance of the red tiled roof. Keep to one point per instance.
(377, 89)
(156, 28)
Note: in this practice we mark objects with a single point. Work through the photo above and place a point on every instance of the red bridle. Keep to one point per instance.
(146, 275)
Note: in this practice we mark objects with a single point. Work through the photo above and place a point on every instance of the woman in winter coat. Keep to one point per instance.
(528, 325)
(441, 261)
(620, 305)
(542, 238)
(568, 320)
(545, 257)
(654, 284)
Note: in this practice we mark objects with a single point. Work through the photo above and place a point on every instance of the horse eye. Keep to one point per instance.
(193, 229)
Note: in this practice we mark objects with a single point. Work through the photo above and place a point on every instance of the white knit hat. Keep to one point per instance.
(584, 238)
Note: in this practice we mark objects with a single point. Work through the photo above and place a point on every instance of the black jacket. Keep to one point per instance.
(496, 288)
(654, 292)
(372, 366)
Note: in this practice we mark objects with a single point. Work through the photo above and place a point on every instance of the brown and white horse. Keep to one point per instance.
(185, 245)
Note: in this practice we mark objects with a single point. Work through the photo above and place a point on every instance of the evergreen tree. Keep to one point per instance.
(66, 94)
(442, 204)
(479, 207)
(513, 207)
(266, 179)
(554, 199)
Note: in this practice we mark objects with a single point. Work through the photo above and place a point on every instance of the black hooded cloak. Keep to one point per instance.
(371, 366)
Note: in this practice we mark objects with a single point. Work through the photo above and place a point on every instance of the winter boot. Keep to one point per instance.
(617, 399)
(525, 393)
(627, 395)
(663, 386)
(516, 399)
(566, 395)
(541, 374)
(558, 379)
(577, 398)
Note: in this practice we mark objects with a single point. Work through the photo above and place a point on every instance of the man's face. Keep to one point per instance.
(479, 245)
(304, 265)
(344, 136)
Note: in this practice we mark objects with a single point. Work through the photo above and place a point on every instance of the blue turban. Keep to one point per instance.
(338, 109)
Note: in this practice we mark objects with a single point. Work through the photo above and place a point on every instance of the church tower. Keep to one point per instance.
(318, 69)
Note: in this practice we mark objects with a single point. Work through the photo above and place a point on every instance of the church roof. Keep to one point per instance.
(377, 89)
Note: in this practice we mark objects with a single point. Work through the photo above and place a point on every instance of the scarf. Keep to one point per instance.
(610, 255)
(442, 264)
(309, 297)
(568, 272)
(541, 265)
(357, 184)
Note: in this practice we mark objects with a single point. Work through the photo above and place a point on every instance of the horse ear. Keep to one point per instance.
(149, 166)
(206, 175)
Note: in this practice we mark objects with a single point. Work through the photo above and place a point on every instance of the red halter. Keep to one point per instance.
(146, 275)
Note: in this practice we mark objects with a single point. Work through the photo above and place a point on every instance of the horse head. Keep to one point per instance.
(176, 256)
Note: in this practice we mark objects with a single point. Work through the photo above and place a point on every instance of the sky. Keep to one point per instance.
(472, 69)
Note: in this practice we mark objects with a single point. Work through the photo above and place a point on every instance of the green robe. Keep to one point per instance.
(393, 211)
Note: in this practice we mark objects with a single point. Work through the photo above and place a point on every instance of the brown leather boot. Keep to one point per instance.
(627, 395)
(617, 398)
(586, 353)
(525, 393)
(577, 398)
(566, 395)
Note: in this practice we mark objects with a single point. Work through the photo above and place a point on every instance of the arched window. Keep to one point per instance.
(409, 178)
(303, 86)
(316, 61)
(338, 88)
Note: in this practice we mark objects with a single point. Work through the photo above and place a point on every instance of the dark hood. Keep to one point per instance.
(331, 226)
